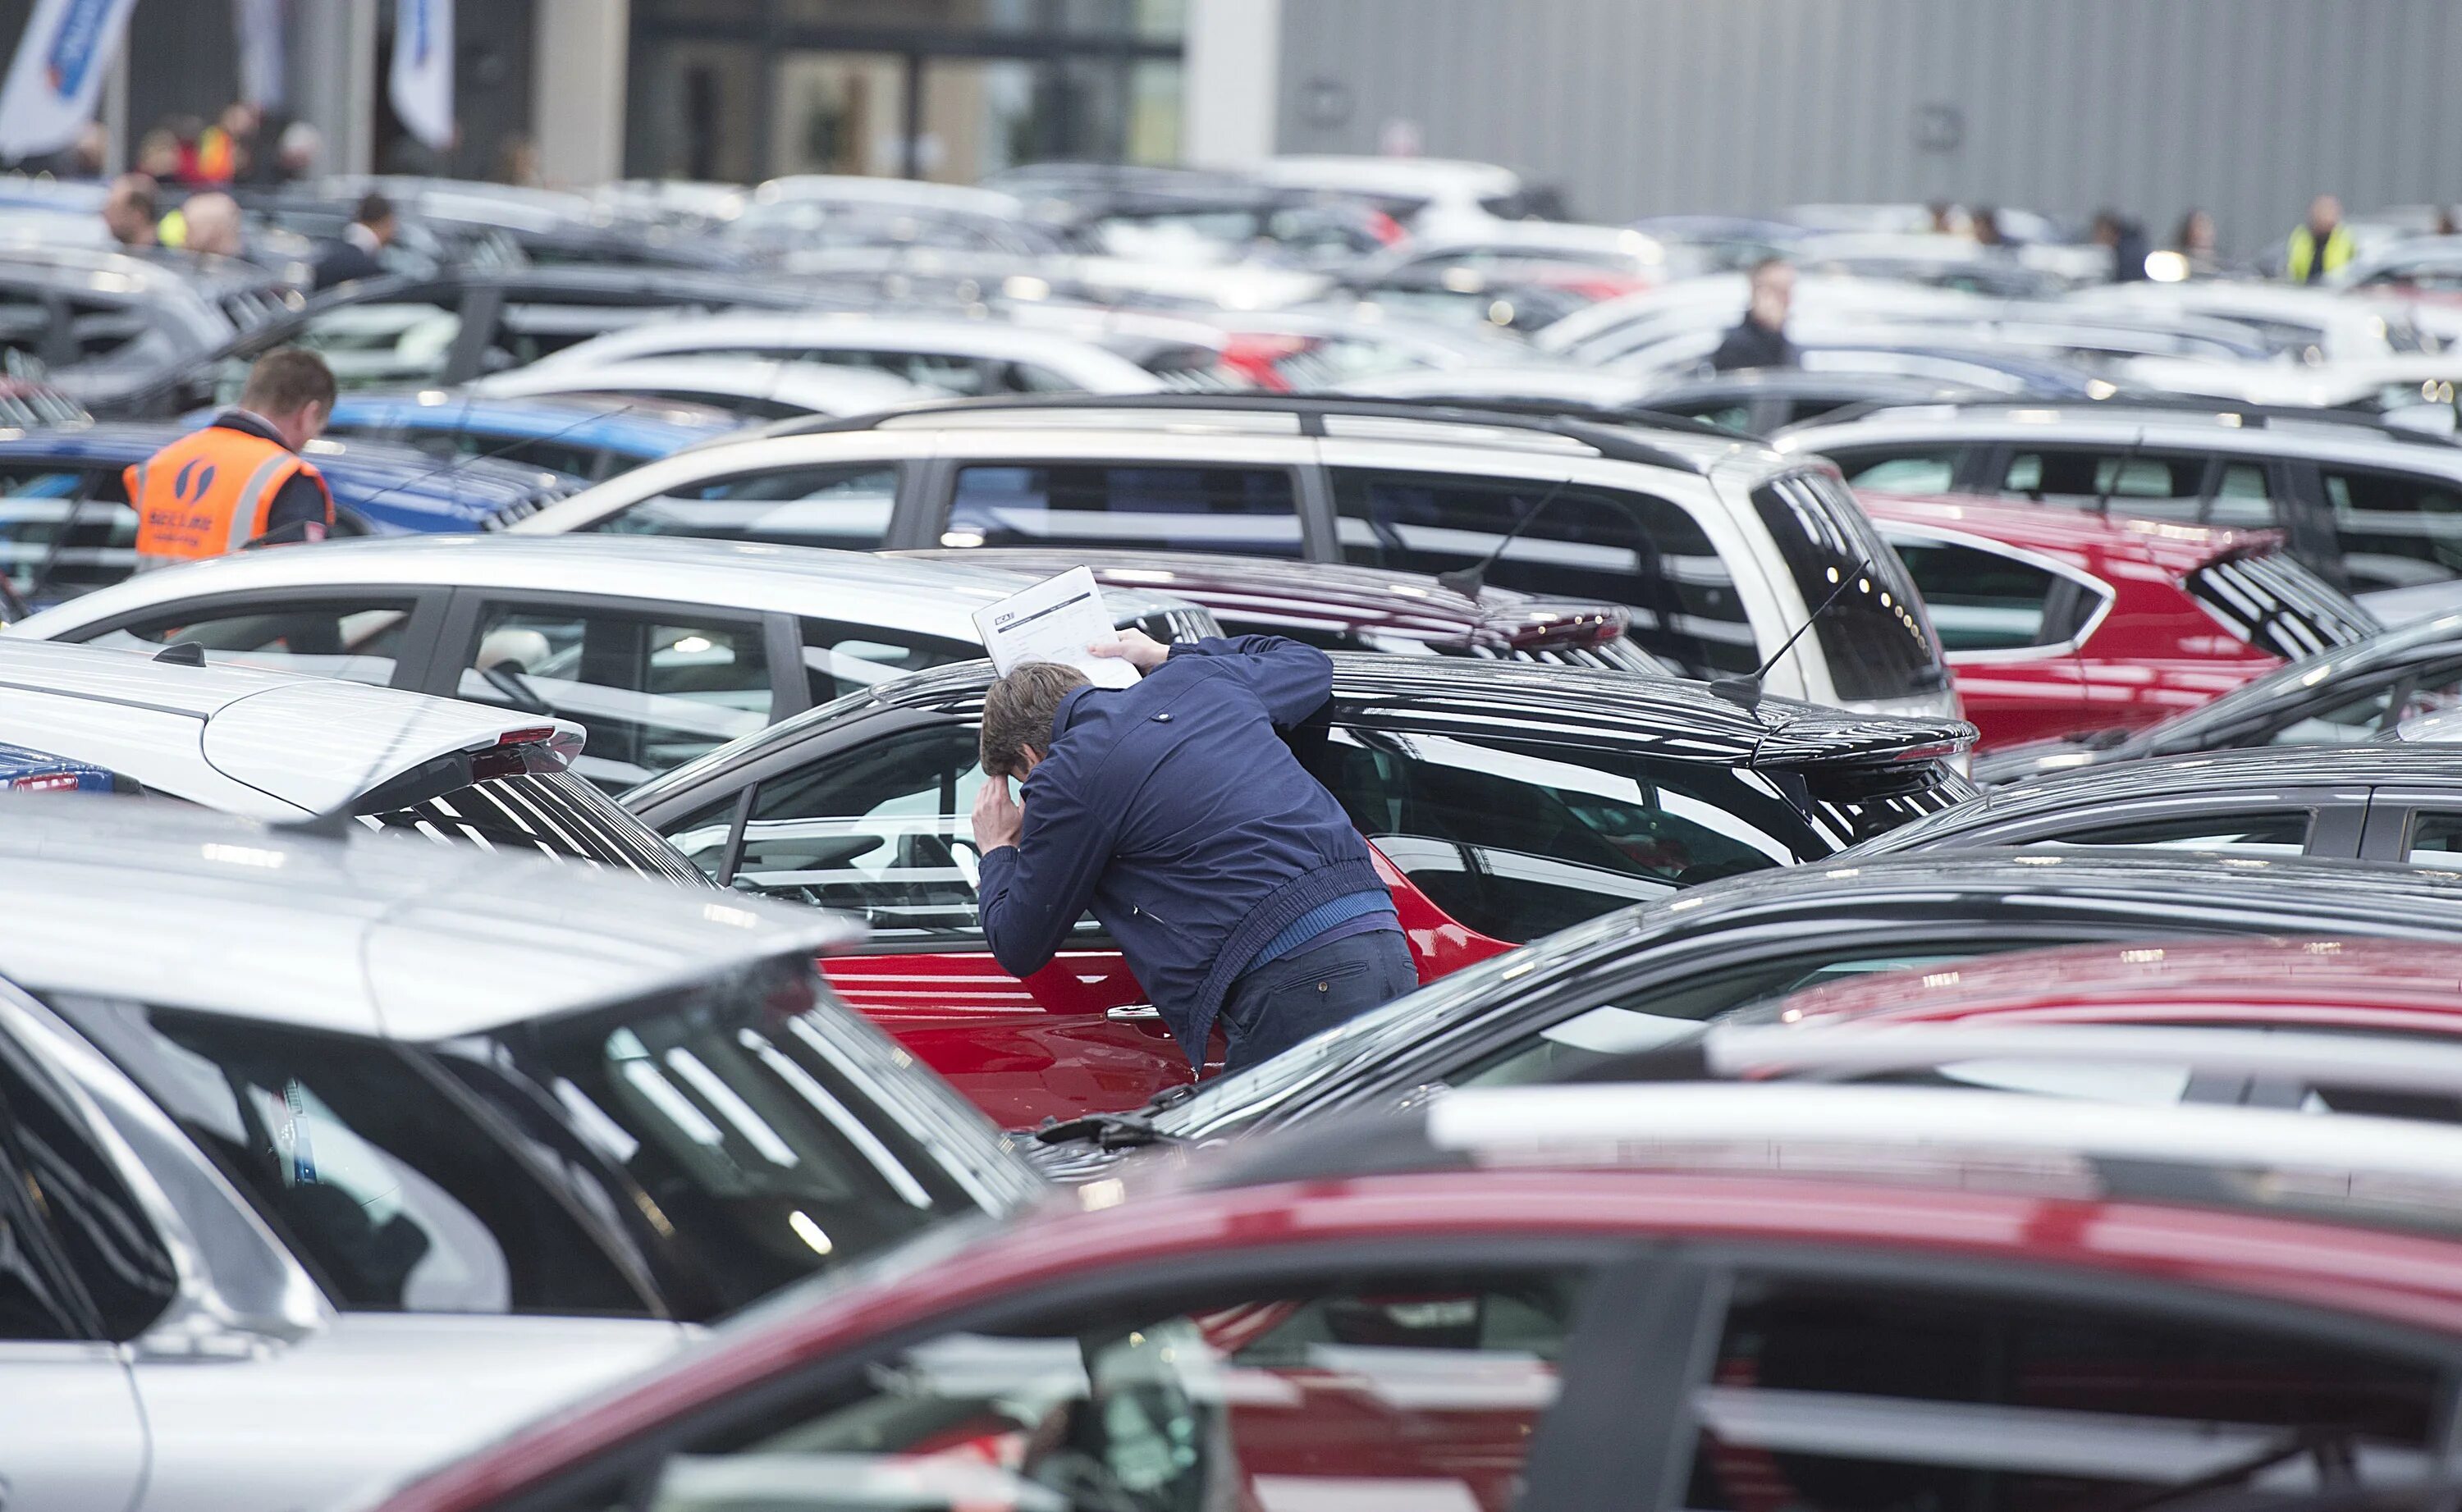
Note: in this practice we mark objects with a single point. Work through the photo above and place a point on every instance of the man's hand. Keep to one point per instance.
(998, 819)
(1135, 648)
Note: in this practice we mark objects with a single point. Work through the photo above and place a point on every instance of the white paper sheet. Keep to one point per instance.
(1054, 621)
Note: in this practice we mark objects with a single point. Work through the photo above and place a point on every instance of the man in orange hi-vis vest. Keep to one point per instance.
(239, 481)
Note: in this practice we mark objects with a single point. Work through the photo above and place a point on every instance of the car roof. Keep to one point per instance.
(477, 488)
(2177, 548)
(2357, 984)
(1532, 701)
(853, 331)
(268, 744)
(2205, 425)
(119, 898)
(827, 388)
(937, 598)
(646, 428)
(1406, 605)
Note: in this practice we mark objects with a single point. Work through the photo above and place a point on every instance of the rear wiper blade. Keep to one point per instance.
(1107, 1131)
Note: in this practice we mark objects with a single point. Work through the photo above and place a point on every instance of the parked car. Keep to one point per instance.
(2371, 509)
(354, 1153)
(780, 218)
(590, 442)
(1504, 801)
(1633, 256)
(1342, 608)
(24, 771)
(1855, 1298)
(1640, 978)
(393, 332)
(1721, 551)
(287, 748)
(2060, 621)
(101, 321)
(949, 355)
(753, 389)
(660, 650)
(1762, 400)
(67, 529)
(1432, 192)
(2338, 697)
(2395, 804)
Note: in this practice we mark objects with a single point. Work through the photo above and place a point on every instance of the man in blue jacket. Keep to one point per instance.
(1233, 881)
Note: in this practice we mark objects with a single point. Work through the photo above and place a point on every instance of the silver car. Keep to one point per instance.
(318, 1159)
(660, 648)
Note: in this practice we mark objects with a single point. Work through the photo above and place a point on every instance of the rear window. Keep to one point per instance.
(1874, 636)
(2276, 605)
(558, 815)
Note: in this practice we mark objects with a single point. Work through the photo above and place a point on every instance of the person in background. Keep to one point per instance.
(225, 148)
(296, 157)
(208, 223)
(2196, 241)
(360, 251)
(158, 155)
(1759, 340)
(1983, 224)
(517, 161)
(128, 211)
(239, 481)
(2126, 239)
(2320, 244)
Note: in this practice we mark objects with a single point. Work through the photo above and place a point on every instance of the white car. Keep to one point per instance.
(1721, 549)
(756, 388)
(1433, 191)
(321, 1159)
(660, 648)
(955, 356)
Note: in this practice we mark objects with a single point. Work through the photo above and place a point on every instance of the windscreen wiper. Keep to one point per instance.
(1105, 1131)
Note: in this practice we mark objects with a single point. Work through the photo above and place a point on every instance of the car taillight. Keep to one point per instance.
(50, 782)
(523, 737)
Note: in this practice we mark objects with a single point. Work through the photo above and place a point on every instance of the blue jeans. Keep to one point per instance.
(1285, 1001)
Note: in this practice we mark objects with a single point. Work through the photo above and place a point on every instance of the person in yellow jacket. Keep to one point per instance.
(240, 481)
(2320, 246)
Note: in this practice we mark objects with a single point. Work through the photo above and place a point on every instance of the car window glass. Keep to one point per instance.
(1517, 840)
(372, 345)
(354, 638)
(2435, 841)
(1872, 633)
(2243, 499)
(2024, 1403)
(1250, 511)
(847, 507)
(387, 1189)
(2274, 602)
(841, 659)
(882, 832)
(2397, 530)
(63, 1180)
(651, 691)
(2265, 833)
(1981, 601)
(964, 377)
(536, 327)
(1414, 1391)
(2365, 715)
(1590, 543)
(39, 502)
(2165, 486)
(1917, 470)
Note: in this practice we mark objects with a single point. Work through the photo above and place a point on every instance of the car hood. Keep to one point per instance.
(373, 1397)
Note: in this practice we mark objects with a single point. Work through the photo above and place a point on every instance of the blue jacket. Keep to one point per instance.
(1175, 812)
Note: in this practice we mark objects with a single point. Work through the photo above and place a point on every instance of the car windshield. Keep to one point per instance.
(754, 1131)
(2252, 706)
(558, 814)
(1873, 634)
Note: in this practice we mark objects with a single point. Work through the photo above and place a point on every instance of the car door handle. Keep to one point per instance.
(1131, 1014)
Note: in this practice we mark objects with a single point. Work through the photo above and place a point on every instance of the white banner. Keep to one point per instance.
(58, 72)
(422, 70)
(258, 26)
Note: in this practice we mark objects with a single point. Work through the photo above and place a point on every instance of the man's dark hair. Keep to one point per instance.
(287, 379)
(1019, 711)
(375, 210)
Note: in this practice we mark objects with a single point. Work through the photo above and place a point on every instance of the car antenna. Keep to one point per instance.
(2103, 498)
(1468, 581)
(509, 446)
(1745, 692)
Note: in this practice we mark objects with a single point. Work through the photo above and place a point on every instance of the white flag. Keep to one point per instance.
(422, 70)
(58, 74)
(258, 26)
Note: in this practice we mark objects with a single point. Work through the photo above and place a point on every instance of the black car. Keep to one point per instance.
(445, 329)
(1641, 977)
(2401, 804)
(2344, 696)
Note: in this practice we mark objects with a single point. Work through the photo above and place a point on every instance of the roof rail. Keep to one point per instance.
(1612, 434)
(2245, 415)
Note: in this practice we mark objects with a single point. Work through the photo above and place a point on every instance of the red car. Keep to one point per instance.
(1560, 1298)
(2061, 621)
(1504, 801)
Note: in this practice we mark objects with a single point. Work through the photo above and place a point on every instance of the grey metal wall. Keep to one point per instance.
(1637, 107)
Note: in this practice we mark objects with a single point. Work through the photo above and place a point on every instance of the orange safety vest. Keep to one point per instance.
(210, 493)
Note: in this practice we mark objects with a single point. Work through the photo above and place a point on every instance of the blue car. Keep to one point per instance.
(66, 526)
(24, 771)
(589, 441)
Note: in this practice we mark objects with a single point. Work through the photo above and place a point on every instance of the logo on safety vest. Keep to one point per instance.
(195, 475)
